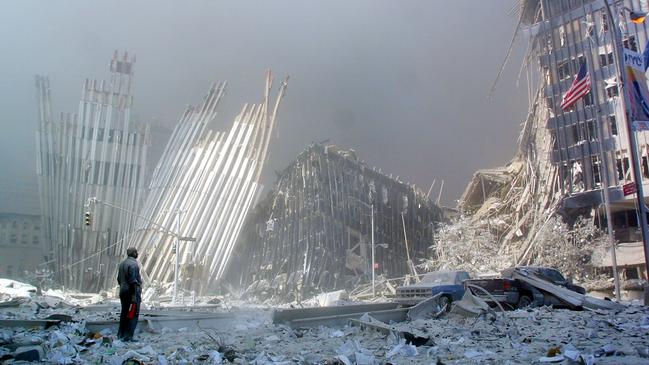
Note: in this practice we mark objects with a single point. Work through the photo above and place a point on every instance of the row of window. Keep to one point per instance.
(580, 132)
(123, 175)
(113, 135)
(574, 171)
(24, 239)
(555, 8)
(610, 90)
(14, 224)
(575, 30)
(566, 70)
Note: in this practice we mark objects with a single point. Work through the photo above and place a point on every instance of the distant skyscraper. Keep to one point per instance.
(20, 242)
(97, 152)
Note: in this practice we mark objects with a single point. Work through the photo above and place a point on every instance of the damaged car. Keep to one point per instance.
(449, 283)
(514, 293)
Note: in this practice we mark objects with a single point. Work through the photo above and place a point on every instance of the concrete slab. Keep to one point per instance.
(155, 321)
(390, 315)
(286, 315)
(28, 323)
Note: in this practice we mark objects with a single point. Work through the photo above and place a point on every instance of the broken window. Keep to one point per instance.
(588, 99)
(590, 25)
(605, 59)
(577, 176)
(631, 273)
(595, 162)
(612, 124)
(604, 21)
(612, 91)
(554, 141)
(549, 101)
(630, 43)
(574, 132)
(562, 35)
(590, 130)
(577, 62)
(645, 167)
(547, 75)
(563, 70)
(622, 168)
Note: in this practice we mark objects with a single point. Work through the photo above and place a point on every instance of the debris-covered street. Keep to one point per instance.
(79, 331)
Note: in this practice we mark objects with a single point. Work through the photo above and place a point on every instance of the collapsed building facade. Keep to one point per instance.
(201, 191)
(314, 232)
(566, 156)
(97, 152)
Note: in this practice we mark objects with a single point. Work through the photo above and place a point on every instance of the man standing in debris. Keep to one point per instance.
(130, 291)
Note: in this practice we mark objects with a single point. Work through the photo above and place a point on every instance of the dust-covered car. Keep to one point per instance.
(449, 283)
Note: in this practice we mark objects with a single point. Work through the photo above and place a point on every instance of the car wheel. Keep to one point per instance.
(524, 302)
(445, 301)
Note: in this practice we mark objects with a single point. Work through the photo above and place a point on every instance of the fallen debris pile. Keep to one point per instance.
(572, 250)
(15, 294)
(424, 334)
(568, 296)
(11, 289)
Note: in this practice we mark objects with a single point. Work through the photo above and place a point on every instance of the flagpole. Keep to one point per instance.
(633, 148)
(604, 167)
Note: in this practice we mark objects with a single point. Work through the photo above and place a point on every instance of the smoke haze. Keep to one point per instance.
(404, 83)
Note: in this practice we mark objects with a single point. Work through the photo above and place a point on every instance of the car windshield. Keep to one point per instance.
(552, 275)
(439, 278)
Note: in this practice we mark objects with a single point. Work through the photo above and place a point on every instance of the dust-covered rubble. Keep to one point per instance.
(519, 337)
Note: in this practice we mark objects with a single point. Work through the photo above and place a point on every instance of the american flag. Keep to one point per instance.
(580, 87)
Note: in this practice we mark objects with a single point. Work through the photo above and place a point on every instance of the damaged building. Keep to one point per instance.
(97, 152)
(314, 232)
(201, 191)
(566, 154)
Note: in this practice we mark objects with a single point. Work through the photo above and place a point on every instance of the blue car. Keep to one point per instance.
(449, 283)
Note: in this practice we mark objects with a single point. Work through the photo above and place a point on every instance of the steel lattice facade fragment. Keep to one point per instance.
(313, 232)
(97, 152)
(202, 189)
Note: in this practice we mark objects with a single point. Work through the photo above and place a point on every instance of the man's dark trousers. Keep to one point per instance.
(126, 325)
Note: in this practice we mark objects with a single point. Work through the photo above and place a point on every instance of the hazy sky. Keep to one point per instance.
(404, 83)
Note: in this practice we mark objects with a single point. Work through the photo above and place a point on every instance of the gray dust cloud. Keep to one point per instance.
(404, 83)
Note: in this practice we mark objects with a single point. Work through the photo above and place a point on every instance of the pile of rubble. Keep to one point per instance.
(518, 337)
(340, 333)
(572, 250)
(18, 294)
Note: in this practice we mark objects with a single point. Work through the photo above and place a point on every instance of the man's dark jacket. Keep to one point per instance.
(129, 280)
